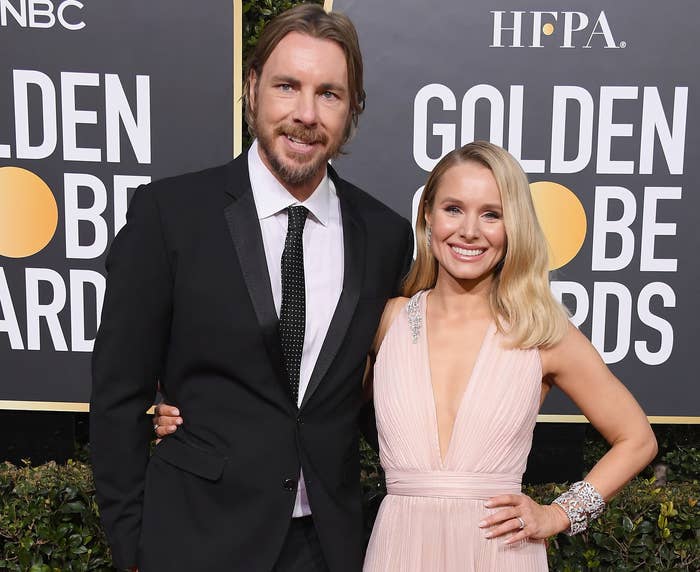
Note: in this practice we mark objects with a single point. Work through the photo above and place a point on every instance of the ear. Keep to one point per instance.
(252, 83)
(427, 214)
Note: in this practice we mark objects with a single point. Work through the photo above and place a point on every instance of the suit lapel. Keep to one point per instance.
(244, 227)
(353, 271)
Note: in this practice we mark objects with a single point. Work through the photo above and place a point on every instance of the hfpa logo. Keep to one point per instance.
(575, 29)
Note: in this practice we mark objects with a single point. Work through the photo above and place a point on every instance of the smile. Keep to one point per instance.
(298, 145)
(468, 251)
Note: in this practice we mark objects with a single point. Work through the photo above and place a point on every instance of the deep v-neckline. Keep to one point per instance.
(431, 389)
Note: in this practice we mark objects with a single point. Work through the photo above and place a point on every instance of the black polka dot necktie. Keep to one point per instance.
(293, 312)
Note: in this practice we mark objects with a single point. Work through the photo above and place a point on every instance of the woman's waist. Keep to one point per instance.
(451, 484)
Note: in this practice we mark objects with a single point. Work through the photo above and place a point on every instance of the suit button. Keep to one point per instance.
(300, 420)
(289, 484)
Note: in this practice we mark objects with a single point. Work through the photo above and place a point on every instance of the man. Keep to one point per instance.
(251, 292)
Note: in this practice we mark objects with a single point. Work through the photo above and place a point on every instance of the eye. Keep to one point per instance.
(329, 95)
(493, 215)
(452, 209)
(284, 87)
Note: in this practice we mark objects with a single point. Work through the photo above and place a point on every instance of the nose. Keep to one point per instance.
(305, 111)
(470, 229)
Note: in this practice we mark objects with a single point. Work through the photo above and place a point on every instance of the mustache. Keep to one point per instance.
(302, 133)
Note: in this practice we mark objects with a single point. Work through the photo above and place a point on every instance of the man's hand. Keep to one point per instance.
(166, 420)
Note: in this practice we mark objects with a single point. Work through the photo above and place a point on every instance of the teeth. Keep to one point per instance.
(297, 141)
(468, 252)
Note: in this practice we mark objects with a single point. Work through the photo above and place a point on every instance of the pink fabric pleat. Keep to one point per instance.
(428, 521)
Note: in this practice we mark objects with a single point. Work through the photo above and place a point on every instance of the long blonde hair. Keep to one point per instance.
(521, 301)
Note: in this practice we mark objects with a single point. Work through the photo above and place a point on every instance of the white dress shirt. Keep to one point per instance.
(323, 263)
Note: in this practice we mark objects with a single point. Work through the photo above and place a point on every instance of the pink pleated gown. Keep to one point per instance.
(428, 522)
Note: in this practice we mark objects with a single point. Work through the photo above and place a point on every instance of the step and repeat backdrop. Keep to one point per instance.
(96, 98)
(598, 101)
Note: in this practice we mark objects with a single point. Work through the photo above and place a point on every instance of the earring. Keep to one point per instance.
(429, 235)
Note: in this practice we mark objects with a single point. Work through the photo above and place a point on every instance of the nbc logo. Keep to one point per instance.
(42, 13)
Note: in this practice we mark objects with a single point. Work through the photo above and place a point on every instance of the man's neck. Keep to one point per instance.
(303, 192)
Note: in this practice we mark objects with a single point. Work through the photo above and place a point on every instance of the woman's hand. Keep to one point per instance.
(523, 517)
(166, 420)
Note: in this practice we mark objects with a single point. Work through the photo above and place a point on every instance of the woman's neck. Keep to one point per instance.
(461, 298)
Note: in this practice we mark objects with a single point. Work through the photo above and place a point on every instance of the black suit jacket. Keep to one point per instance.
(189, 304)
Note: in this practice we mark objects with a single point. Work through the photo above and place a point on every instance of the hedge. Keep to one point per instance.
(646, 527)
(49, 522)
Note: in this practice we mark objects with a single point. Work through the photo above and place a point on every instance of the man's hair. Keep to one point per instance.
(311, 20)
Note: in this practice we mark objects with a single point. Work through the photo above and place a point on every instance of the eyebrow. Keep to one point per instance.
(284, 79)
(332, 87)
(489, 206)
(295, 82)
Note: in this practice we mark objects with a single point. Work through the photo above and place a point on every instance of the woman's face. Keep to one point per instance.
(468, 234)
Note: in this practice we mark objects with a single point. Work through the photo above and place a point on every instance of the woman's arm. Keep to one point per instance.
(391, 310)
(576, 368)
(367, 420)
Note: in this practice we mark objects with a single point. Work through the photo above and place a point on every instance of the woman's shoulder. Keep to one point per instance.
(394, 306)
(392, 309)
(389, 315)
(572, 348)
(412, 304)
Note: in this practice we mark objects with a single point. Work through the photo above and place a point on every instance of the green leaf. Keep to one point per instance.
(645, 527)
(627, 524)
(72, 507)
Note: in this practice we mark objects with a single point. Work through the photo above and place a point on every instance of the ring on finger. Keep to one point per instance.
(155, 426)
(521, 521)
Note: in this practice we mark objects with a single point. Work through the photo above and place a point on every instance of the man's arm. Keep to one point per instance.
(127, 362)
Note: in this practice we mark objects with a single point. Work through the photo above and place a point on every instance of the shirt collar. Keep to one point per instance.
(271, 197)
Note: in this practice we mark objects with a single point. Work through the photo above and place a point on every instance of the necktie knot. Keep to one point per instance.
(296, 216)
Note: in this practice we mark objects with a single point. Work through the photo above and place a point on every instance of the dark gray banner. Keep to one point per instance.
(598, 102)
(97, 98)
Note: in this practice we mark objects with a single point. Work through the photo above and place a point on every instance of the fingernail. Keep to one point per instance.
(176, 412)
(488, 535)
(171, 429)
(487, 504)
(178, 422)
(482, 524)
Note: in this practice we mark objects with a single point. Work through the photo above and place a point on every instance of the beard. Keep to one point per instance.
(301, 169)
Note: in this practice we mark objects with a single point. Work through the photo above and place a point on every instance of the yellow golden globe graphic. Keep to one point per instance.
(28, 213)
(562, 219)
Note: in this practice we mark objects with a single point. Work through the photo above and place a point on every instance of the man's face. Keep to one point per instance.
(301, 103)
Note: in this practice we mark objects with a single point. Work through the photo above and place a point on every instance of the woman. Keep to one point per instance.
(463, 363)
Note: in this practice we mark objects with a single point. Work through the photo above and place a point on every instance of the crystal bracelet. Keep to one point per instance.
(581, 503)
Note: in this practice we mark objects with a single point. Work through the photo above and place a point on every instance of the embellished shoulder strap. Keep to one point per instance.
(415, 317)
